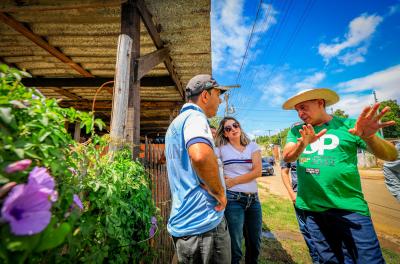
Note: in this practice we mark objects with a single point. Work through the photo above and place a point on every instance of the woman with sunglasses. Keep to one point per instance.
(242, 165)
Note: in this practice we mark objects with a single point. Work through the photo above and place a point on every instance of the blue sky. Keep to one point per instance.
(299, 44)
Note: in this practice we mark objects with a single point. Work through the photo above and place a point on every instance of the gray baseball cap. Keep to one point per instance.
(200, 83)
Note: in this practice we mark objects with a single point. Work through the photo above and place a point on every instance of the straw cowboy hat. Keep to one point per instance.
(328, 95)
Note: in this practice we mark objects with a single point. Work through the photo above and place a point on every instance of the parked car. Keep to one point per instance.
(271, 160)
(267, 168)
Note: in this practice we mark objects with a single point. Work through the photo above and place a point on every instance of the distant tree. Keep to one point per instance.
(340, 113)
(214, 121)
(394, 114)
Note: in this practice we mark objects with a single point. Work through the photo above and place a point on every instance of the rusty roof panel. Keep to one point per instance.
(87, 32)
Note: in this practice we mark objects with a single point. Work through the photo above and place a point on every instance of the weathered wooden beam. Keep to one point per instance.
(155, 122)
(155, 36)
(7, 19)
(155, 128)
(147, 62)
(121, 92)
(58, 5)
(130, 26)
(77, 131)
(68, 94)
(158, 81)
(153, 105)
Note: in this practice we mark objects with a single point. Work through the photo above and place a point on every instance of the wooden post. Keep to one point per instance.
(130, 25)
(121, 92)
(77, 132)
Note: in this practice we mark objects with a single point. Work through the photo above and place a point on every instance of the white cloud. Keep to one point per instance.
(357, 93)
(353, 57)
(310, 81)
(361, 29)
(275, 86)
(393, 9)
(353, 104)
(231, 31)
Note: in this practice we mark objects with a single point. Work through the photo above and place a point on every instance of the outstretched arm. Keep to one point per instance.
(368, 123)
(292, 151)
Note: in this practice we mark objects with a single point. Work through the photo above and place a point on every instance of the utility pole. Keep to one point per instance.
(226, 98)
(376, 100)
(280, 144)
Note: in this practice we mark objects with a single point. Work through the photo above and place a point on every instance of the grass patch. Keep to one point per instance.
(278, 214)
(279, 217)
(390, 256)
(289, 247)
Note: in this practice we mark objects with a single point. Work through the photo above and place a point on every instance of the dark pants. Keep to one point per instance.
(244, 217)
(210, 247)
(342, 236)
(301, 219)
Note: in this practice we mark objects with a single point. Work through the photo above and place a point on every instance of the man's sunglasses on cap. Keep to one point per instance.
(229, 128)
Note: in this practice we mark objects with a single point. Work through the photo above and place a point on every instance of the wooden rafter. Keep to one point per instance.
(155, 36)
(73, 4)
(159, 81)
(101, 104)
(16, 25)
(68, 94)
(56, 89)
(147, 62)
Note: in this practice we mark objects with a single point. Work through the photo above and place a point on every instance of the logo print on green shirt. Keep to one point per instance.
(326, 142)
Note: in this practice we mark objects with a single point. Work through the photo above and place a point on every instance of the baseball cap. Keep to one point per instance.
(202, 82)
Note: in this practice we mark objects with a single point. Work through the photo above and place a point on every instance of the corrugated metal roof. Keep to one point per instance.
(87, 32)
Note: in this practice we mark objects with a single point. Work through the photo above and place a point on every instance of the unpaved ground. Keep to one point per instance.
(385, 209)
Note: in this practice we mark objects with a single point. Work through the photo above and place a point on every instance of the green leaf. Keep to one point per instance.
(5, 115)
(19, 152)
(53, 237)
(44, 136)
(18, 243)
(4, 68)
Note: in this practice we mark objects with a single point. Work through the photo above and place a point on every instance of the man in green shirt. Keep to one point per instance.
(329, 187)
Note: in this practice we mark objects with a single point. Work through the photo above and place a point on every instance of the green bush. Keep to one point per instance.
(118, 207)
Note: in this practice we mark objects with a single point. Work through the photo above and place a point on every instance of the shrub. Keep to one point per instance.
(43, 172)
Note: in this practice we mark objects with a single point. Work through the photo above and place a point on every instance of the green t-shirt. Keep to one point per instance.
(327, 169)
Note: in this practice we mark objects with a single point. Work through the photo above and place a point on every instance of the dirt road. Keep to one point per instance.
(385, 209)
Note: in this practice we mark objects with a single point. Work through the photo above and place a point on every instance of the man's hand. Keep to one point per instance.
(308, 135)
(222, 201)
(368, 123)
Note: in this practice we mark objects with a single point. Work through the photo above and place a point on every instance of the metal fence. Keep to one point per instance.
(154, 162)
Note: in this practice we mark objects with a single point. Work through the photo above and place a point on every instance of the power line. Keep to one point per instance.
(267, 19)
(248, 43)
(276, 32)
(289, 44)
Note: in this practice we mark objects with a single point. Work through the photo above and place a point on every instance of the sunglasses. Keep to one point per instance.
(229, 128)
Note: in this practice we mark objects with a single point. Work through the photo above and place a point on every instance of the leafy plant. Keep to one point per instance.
(340, 113)
(32, 128)
(394, 114)
(115, 226)
(117, 213)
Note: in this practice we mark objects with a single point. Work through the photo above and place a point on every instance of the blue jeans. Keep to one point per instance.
(244, 217)
(341, 236)
(301, 219)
